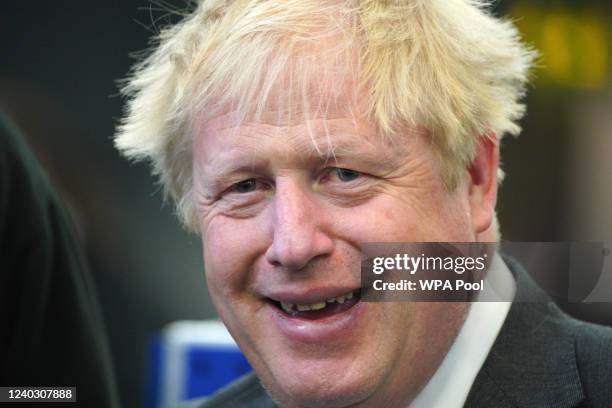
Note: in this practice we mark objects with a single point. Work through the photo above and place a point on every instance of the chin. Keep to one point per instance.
(319, 384)
(319, 392)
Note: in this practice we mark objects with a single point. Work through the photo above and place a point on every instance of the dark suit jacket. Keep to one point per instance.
(541, 358)
(51, 327)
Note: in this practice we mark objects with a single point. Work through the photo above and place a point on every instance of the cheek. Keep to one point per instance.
(455, 218)
(384, 218)
(399, 218)
(228, 256)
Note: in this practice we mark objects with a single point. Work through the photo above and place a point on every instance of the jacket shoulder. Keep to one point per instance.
(593, 345)
(543, 357)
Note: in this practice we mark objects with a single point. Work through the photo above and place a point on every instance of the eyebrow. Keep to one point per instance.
(342, 149)
(371, 154)
(222, 169)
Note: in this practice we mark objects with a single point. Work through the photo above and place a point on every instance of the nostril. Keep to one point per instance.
(275, 263)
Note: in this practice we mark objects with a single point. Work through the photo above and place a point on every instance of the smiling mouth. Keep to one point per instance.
(321, 309)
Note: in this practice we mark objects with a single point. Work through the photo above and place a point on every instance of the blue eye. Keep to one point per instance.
(245, 186)
(347, 175)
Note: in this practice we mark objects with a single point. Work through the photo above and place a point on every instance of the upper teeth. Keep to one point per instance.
(303, 307)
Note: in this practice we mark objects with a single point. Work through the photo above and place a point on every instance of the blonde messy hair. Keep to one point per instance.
(446, 65)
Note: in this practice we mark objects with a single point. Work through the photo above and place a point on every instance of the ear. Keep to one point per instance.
(483, 182)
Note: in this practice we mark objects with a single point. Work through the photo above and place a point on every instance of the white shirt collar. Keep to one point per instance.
(452, 381)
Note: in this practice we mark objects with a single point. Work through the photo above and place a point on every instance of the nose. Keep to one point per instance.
(298, 223)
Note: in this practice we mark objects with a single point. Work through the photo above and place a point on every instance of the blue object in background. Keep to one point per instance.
(211, 368)
(192, 359)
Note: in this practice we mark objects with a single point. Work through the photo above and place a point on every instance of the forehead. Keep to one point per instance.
(221, 145)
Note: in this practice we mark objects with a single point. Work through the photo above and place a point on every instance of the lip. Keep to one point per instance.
(328, 329)
(310, 295)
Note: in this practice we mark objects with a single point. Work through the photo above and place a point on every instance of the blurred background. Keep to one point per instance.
(59, 66)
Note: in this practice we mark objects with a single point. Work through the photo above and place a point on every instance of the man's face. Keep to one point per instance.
(283, 220)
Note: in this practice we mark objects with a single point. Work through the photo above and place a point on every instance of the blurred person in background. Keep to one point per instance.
(53, 333)
(290, 132)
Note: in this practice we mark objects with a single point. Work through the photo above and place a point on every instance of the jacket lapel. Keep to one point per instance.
(533, 360)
